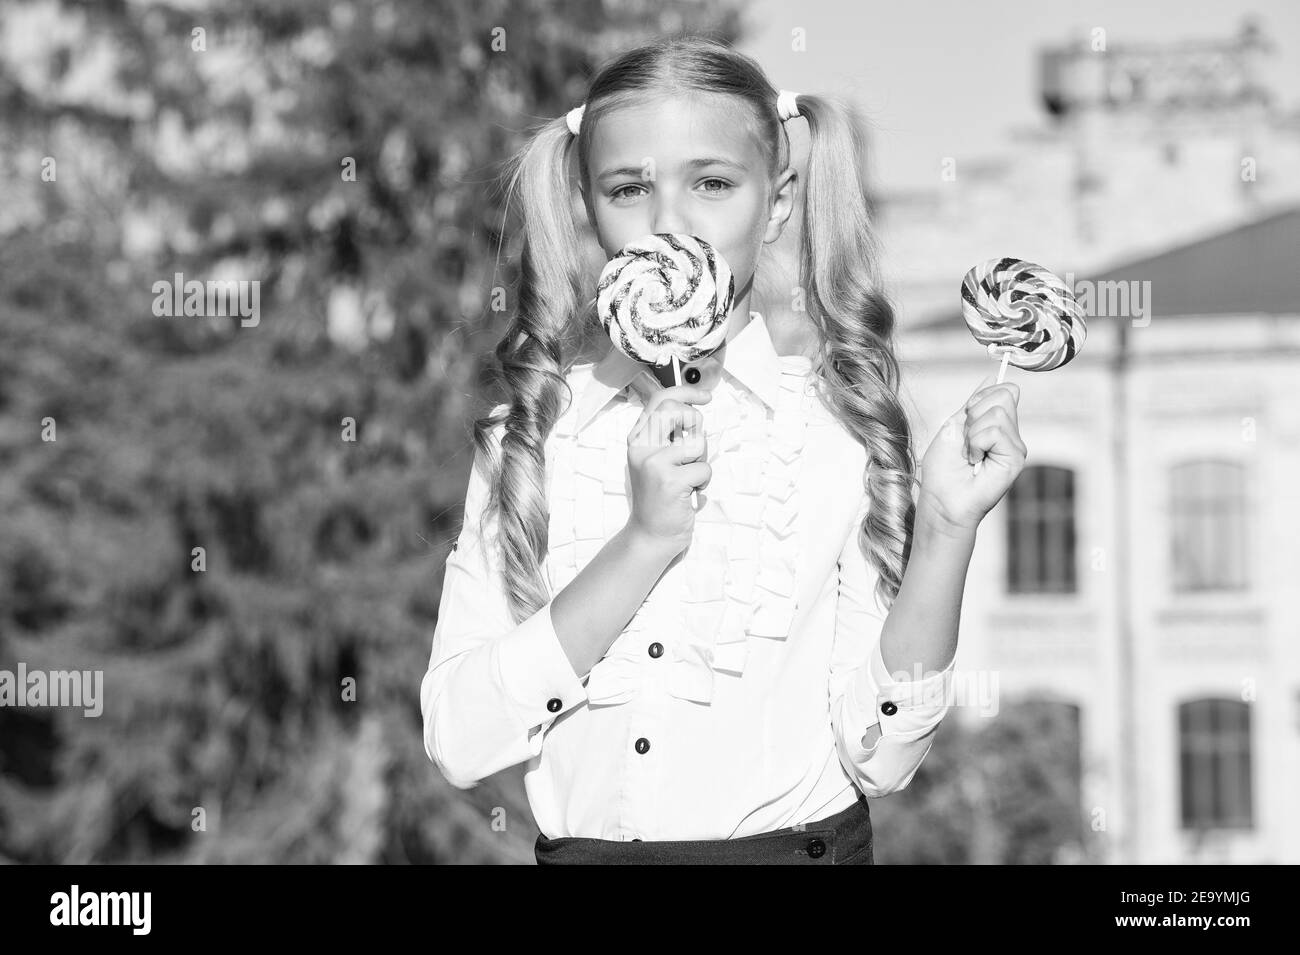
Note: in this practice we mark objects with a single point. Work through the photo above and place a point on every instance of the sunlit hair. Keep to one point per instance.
(856, 372)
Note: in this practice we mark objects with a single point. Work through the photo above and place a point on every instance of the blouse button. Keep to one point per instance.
(692, 375)
(888, 708)
(642, 745)
(816, 848)
(656, 650)
(554, 704)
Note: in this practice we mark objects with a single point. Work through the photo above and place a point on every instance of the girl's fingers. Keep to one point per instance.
(694, 447)
(1009, 436)
(981, 442)
(984, 390)
(993, 414)
(1005, 395)
(696, 475)
(681, 394)
(656, 428)
(658, 406)
(992, 439)
(999, 415)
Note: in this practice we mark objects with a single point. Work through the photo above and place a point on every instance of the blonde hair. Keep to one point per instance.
(856, 372)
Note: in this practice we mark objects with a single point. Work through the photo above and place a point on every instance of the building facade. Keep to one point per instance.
(1140, 147)
(1142, 566)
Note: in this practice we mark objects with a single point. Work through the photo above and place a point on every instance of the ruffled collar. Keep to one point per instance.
(748, 357)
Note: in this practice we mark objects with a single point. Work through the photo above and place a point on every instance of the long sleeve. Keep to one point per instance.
(493, 687)
(863, 693)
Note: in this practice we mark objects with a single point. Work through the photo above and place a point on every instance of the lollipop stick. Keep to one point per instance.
(1002, 373)
(677, 377)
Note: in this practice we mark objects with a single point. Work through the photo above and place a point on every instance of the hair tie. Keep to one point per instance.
(787, 105)
(574, 118)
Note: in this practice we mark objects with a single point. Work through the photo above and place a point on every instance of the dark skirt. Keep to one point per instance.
(841, 839)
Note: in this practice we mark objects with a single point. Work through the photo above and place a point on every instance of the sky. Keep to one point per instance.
(945, 77)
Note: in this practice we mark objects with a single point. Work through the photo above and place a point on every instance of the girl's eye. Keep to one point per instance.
(621, 193)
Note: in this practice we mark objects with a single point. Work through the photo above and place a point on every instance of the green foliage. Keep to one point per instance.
(223, 688)
(1003, 792)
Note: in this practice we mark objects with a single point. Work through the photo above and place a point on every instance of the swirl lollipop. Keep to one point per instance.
(1024, 313)
(666, 298)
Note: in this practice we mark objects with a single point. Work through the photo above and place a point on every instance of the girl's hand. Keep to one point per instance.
(986, 427)
(665, 466)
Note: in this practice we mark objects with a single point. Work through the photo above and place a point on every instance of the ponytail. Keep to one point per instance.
(858, 374)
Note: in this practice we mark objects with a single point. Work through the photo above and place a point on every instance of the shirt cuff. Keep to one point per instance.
(905, 709)
(535, 672)
(899, 687)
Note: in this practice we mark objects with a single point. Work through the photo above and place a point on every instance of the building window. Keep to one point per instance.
(1208, 523)
(1040, 531)
(1214, 769)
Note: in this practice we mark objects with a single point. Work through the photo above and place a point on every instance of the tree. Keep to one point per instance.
(344, 157)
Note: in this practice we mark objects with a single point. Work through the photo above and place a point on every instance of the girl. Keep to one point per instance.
(727, 685)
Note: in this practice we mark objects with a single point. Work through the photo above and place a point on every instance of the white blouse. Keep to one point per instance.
(736, 700)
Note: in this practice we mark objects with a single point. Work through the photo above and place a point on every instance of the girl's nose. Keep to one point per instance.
(668, 220)
(661, 227)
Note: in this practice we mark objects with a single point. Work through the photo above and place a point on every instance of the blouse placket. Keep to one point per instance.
(737, 580)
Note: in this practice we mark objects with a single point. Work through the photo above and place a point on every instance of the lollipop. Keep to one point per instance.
(1024, 313)
(666, 298)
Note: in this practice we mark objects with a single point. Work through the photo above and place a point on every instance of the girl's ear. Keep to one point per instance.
(782, 204)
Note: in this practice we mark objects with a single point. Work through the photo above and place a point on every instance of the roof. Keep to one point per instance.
(1248, 270)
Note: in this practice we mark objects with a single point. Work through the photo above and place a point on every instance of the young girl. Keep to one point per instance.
(728, 684)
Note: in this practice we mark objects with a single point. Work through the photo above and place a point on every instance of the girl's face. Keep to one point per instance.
(686, 165)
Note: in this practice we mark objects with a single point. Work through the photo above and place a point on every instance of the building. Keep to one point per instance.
(1141, 146)
(1142, 567)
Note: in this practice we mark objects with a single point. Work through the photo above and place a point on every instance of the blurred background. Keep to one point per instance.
(240, 519)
